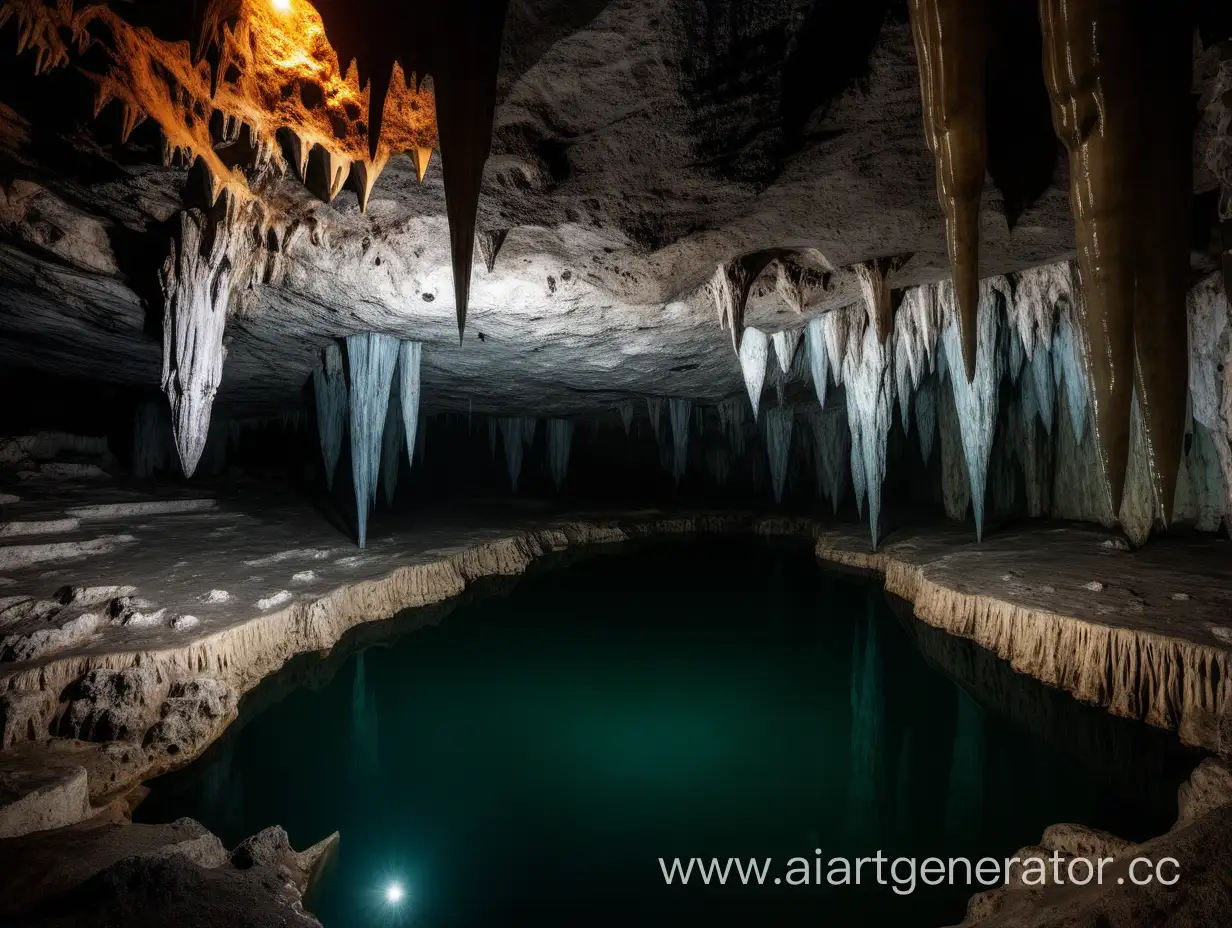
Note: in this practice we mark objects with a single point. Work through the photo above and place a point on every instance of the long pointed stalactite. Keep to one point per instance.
(458, 44)
(951, 47)
(1089, 67)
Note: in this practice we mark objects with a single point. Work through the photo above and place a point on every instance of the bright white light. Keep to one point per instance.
(393, 893)
(281, 5)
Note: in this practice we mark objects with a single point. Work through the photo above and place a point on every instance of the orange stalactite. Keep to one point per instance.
(275, 69)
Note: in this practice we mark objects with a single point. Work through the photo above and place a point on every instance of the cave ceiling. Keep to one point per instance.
(635, 146)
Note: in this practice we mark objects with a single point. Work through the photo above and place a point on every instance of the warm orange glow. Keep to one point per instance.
(275, 69)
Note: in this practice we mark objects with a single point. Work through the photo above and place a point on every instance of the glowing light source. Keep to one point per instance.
(281, 5)
(394, 893)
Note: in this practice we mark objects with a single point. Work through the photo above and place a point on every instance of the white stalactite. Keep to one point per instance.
(926, 416)
(732, 423)
(1068, 367)
(754, 356)
(393, 440)
(679, 412)
(512, 430)
(654, 408)
(196, 284)
(976, 402)
(410, 360)
(778, 425)
(371, 359)
(560, 442)
(785, 345)
(916, 330)
(626, 417)
(818, 357)
(831, 451)
(330, 389)
(868, 375)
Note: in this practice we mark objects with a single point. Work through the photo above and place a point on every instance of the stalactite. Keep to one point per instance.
(831, 451)
(732, 422)
(410, 359)
(654, 408)
(926, 416)
(955, 483)
(626, 416)
(729, 289)
(951, 47)
(1201, 497)
(490, 245)
(512, 429)
(196, 282)
(779, 425)
(393, 441)
(917, 326)
(818, 358)
(754, 356)
(492, 437)
(1138, 501)
(371, 359)
(330, 389)
(976, 399)
(560, 442)
(875, 286)
(718, 465)
(869, 378)
(785, 345)
(679, 411)
(1089, 66)
(1068, 367)
(1210, 374)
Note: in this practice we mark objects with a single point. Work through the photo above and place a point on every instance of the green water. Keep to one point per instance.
(529, 759)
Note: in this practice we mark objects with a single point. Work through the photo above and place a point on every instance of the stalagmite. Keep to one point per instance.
(831, 451)
(196, 281)
(654, 408)
(371, 359)
(330, 389)
(951, 47)
(729, 288)
(779, 423)
(976, 399)
(785, 345)
(819, 360)
(560, 442)
(410, 357)
(626, 416)
(511, 437)
(754, 356)
(393, 440)
(679, 412)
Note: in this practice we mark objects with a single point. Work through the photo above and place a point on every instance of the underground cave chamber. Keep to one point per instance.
(850, 382)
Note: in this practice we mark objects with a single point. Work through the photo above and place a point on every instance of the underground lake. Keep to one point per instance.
(538, 752)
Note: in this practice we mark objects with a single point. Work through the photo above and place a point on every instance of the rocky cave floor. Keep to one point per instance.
(135, 616)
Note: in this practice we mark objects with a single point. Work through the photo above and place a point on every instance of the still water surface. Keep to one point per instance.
(529, 759)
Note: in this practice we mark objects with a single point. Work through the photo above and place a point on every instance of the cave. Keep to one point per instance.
(468, 464)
